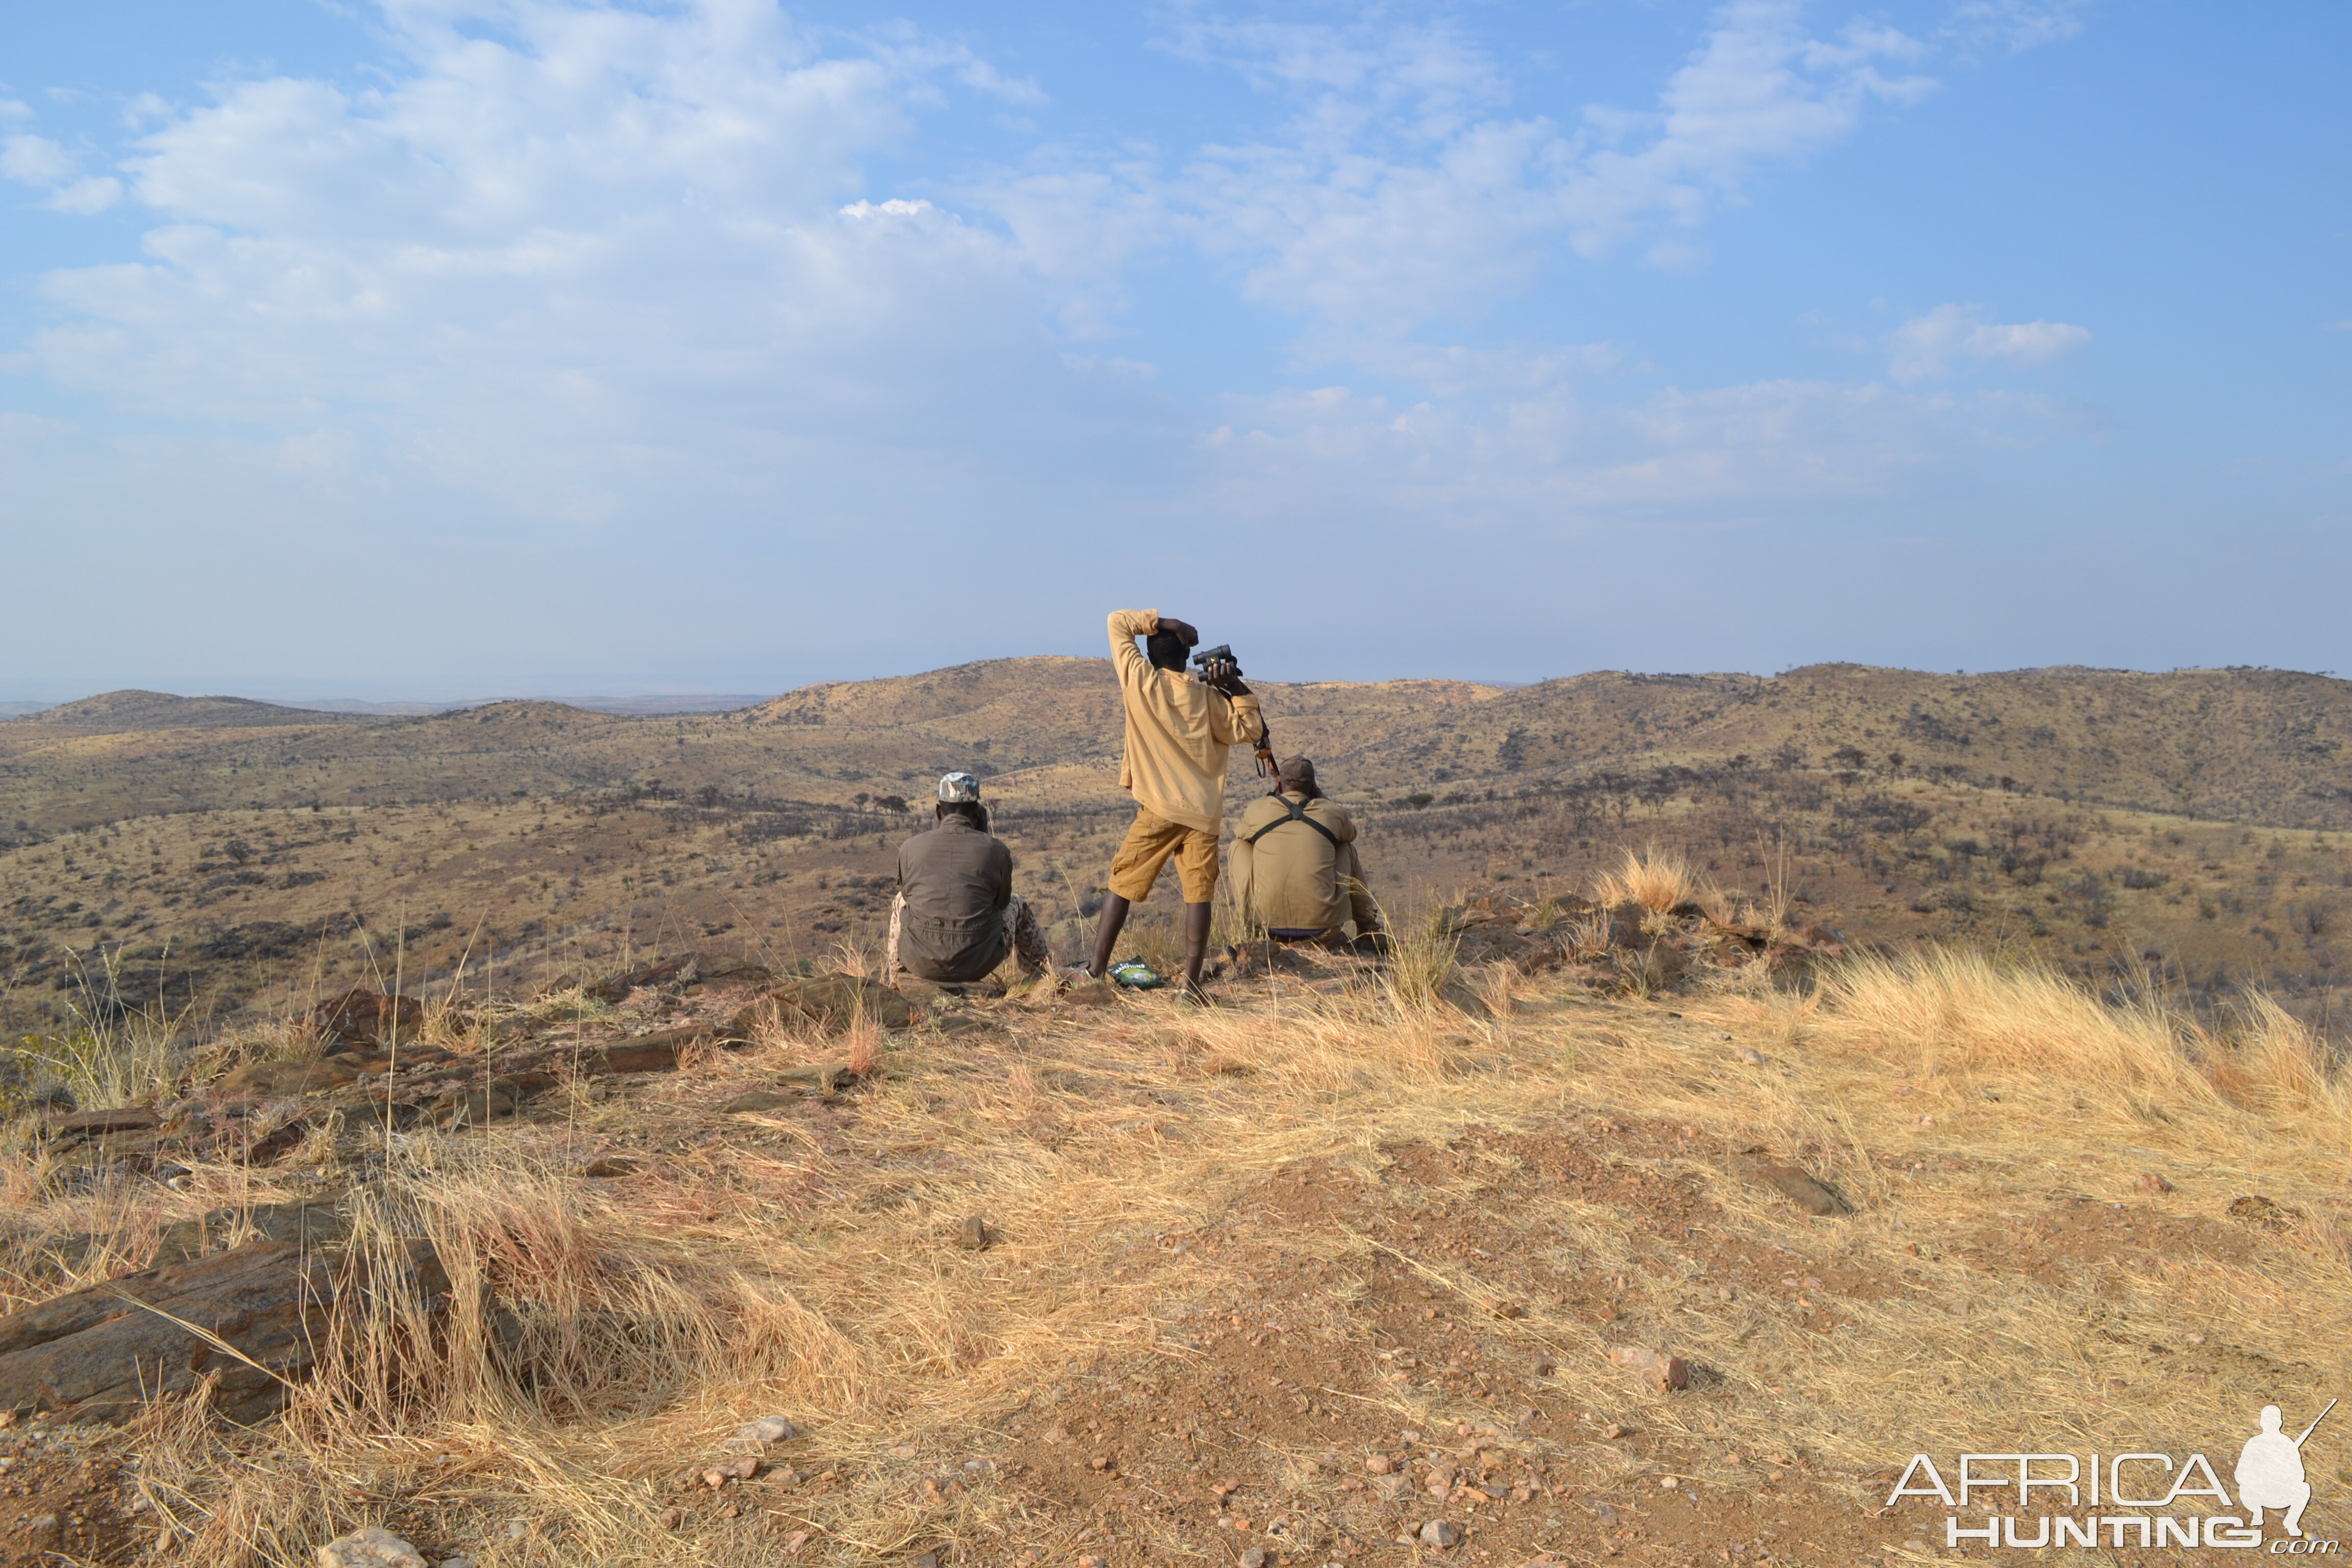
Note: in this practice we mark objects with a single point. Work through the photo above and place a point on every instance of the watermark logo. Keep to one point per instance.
(2269, 1476)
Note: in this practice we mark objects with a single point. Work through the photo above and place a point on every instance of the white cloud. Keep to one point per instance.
(1547, 457)
(2016, 25)
(14, 109)
(561, 250)
(36, 161)
(1401, 188)
(1925, 347)
(84, 197)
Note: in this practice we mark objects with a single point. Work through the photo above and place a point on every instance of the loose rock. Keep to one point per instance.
(2258, 1210)
(768, 1429)
(2149, 1182)
(1443, 1535)
(1662, 1372)
(374, 1547)
(737, 1470)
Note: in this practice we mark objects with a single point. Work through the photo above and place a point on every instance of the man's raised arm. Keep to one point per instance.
(1126, 626)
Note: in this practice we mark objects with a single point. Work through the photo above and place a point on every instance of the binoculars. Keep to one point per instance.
(1208, 660)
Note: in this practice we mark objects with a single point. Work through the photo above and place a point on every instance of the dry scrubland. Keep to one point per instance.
(1102, 1276)
(231, 867)
(1231, 1256)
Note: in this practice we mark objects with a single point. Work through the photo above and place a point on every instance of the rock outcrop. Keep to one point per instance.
(253, 1318)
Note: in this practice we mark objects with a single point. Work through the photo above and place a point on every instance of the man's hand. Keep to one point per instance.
(1184, 630)
(1229, 682)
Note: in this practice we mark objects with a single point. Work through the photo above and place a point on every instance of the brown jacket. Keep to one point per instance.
(1294, 879)
(957, 881)
(1178, 730)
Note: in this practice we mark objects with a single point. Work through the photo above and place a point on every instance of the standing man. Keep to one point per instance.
(1295, 865)
(956, 918)
(1178, 730)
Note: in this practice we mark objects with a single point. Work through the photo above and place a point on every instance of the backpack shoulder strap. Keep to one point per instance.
(1297, 810)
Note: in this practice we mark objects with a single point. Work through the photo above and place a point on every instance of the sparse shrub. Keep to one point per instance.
(1658, 881)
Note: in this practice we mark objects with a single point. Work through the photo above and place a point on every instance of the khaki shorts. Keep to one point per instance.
(1150, 842)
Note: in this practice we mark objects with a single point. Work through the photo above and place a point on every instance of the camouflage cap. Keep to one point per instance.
(1296, 770)
(959, 789)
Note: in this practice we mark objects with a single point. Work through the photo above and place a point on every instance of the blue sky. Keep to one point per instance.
(461, 347)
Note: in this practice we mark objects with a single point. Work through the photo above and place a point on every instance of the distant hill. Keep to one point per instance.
(131, 712)
(2259, 746)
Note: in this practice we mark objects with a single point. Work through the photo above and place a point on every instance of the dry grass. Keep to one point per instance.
(1654, 878)
(809, 1267)
(1968, 1016)
(1420, 960)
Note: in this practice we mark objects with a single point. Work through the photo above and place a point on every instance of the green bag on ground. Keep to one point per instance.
(1136, 975)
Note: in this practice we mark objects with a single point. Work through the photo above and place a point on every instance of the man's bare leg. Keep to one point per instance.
(1196, 944)
(1114, 917)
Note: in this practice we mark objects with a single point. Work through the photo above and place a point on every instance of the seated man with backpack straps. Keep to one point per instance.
(1294, 863)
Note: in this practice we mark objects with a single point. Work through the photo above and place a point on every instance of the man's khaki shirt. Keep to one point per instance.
(1294, 879)
(1178, 730)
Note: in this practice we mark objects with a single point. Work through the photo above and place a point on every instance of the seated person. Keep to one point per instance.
(956, 918)
(1293, 862)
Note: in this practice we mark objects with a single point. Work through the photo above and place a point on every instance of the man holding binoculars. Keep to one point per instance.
(1178, 730)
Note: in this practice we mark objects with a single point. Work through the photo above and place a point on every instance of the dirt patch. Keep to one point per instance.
(1351, 1395)
(64, 1499)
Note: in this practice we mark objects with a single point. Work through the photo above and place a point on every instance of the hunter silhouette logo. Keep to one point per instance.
(2270, 1477)
(2270, 1471)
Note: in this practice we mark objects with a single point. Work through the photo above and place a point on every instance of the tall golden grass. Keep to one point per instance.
(1657, 879)
(1958, 1011)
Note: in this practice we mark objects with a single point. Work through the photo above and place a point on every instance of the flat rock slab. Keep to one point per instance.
(297, 1079)
(98, 1354)
(1796, 1183)
(98, 1123)
(681, 971)
(656, 1052)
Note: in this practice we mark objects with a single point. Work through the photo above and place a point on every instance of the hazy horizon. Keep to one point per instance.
(648, 699)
